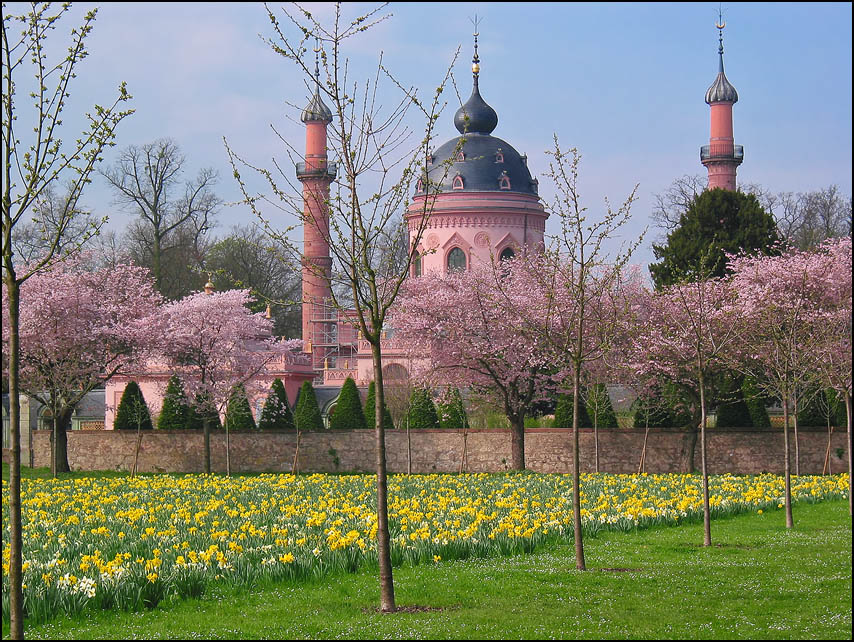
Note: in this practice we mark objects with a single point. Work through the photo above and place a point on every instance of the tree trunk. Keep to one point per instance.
(136, 453)
(848, 415)
(227, 452)
(576, 478)
(206, 429)
(642, 464)
(463, 457)
(59, 441)
(517, 442)
(16, 595)
(295, 467)
(787, 472)
(707, 517)
(155, 260)
(408, 447)
(596, 442)
(797, 450)
(387, 604)
(825, 469)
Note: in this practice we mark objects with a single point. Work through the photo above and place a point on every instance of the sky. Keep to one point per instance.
(623, 83)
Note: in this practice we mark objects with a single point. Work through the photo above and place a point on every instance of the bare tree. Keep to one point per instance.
(378, 164)
(807, 219)
(147, 181)
(35, 158)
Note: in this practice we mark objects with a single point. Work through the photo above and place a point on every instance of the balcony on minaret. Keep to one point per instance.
(722, 152)
(314, 168)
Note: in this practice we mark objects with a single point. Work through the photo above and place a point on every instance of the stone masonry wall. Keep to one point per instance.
(546, 450)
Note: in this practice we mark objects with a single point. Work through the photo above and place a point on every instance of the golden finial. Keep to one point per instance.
(209, 286)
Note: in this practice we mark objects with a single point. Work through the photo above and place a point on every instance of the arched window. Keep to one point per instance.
(506, 254)
(499, 157)
(461, 156)
(416, 264)
(504, 181)
(395, 372)
(419, 186)
(456, 260)
(458, 182)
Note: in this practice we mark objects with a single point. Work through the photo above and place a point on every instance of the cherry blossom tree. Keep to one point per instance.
(213, 342)
(469, 325)
(683, 337)
(77, 330)
(790, 305)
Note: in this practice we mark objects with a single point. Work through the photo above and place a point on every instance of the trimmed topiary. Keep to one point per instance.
(276, 414)
(132, 413)
(348, 413)
(238, 413)
(563, 413)
(371, 410)
(452, 412)
(175, 412)
(756, 402)
(732, 410)
(422, 410)
(599, 407)
(663, 407)
(811, 413)
(197, 412)
(307, 413)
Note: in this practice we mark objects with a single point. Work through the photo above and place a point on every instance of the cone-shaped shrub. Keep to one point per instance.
(452, 413)
(757, 404)
(563, 413)
(175, 412)
(662, 411)
(238, 413)
(132, 412)
(599, 407)
(371, 410)
(839, 418)
(733, 412)
(307, 413)
(277, 414)
(195, 415)
(422, 410)
(812, 413)
(348, 414)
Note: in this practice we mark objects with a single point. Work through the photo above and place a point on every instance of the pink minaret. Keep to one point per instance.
(316, 173)
(721, 156)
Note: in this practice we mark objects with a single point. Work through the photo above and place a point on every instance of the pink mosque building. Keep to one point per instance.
(486, 208)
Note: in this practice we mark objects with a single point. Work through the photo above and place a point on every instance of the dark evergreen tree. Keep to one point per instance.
(348, 413)
(422, 410)
(132, 413)
(821, 407)
(201, 409)
(371, 408)
(276, 414)
(732, 410)
(307, 413)
(238, 412)
(563, 413)
(452, 412)
(661, 409)
(757, 403)
(599, 407)
(717, 221)
(175, 412)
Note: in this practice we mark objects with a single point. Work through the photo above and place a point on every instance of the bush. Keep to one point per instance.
(348, 413)
(371, 410)
(202, 408)
(563, 413)
(276, 414)
(175, 412)
(756, 402)
(452, 412)
(238, 413)
(822, 407)
(307, 413)
(132, 412)
(422, 410)
(661, 406)
(599, 407)
(732, 410)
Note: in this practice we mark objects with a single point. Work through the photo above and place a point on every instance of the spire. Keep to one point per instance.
(721, 90)
(316, 110)
(475, 116)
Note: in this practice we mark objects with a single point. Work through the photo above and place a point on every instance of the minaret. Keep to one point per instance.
(316, 173)
(721, 156)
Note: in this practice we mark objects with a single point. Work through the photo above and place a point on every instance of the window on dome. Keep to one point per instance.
(506, 254)
(458, 182)
(419, 186)
(461, 156)
(456, 260)
(499, 157)
(504, 182)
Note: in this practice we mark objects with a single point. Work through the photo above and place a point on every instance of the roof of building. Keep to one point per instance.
(721, 91)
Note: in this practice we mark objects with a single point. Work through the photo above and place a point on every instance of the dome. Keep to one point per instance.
(721, 91)
(316, 110)
(475, 116)
(481, 163)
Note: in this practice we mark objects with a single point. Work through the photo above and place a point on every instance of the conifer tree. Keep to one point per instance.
(238, 413)
(195, 417)
(757, 404)
(422, 410)
(563, 413)
(277, 414)
(599, 407)
(348, 413)
(132, 413)
(732, 410)
(452, 412)
(174, 415)
(370, 410)
(307, 413)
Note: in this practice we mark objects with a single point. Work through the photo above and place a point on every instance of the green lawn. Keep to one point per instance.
(758, 581)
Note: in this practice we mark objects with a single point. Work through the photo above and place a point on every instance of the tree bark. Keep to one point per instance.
(576, 478)
(59, 441)
(295, 467)
(707, 517)
(517, 442)
(787, 472)
(848, 415)
(206, 429)
(387, 604)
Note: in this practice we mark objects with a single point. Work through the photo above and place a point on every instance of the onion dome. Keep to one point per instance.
(475, 116)
(316, 110)
(721, 91)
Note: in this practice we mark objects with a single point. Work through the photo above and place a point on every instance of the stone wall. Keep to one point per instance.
(546, 450)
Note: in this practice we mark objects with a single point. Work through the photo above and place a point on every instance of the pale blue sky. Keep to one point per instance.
(622, 82)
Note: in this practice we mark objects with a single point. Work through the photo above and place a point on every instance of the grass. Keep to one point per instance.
(758, 581)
